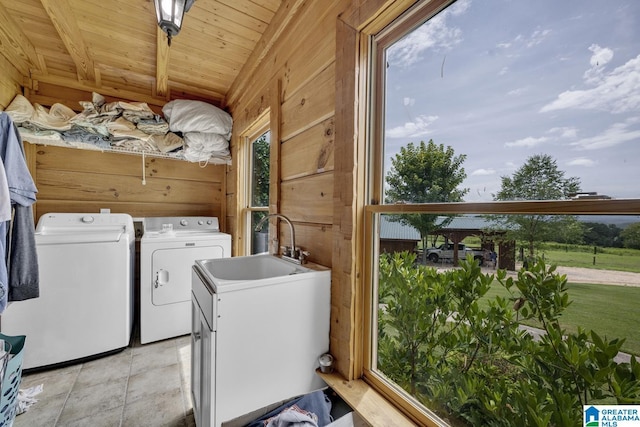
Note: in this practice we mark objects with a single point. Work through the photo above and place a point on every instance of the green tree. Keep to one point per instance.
(538, 179)
(425, 173)
(260, 179)
(631, 236)
(605, 235)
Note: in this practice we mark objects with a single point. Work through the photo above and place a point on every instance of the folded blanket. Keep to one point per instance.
(120, 124)
(130, 134)
(168, 142)
(78, 135)
(135, 116)
(155, 126)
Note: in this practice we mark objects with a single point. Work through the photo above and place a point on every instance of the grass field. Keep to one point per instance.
(610, 259)
(610, 311)
(620, 259)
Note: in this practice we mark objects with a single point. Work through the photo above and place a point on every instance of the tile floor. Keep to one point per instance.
(143, 385)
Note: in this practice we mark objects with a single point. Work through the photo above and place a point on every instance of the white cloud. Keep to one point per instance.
(434, 34)
(527, 142)
(483, 172)
(601, 55)
(408, 102)
(503, 71)
(564, 132)
(582, 161)
(616, 134)
(615, 92)
(518, 91)
(416, 128)
(537, 37)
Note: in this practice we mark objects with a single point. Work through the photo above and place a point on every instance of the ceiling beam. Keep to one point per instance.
(16, 47)
(63, 20)
(162, 64)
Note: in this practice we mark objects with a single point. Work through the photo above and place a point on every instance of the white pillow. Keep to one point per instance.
(206, 141)
(201, 146)
(186, 115)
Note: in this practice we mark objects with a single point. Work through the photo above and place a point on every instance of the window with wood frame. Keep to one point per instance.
(503, 129)
(256, 152)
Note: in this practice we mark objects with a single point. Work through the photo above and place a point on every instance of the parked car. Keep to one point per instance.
(445, 252)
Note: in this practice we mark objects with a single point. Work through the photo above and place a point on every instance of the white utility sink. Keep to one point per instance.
(252, 270)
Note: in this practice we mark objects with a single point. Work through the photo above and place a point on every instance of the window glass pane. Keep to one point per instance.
(509, 319)
(260, 171)
(258, 197)
(259, 239)
(489, 98)
(481, 344)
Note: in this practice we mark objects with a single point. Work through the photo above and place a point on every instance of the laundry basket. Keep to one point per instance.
(11, 380)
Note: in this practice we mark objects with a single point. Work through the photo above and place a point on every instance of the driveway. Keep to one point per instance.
(604, 277)
(590, 275)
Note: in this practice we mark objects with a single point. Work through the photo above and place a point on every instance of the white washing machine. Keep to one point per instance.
(85, 307)
(168, 249)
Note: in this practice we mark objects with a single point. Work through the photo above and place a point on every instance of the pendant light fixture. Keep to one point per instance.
(169, 14)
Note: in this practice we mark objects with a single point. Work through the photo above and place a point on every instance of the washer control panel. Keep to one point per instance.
(181, 224)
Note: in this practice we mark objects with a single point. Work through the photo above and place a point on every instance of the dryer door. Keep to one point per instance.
(171, 269)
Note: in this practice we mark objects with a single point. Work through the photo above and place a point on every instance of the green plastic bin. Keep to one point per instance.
(11, 380)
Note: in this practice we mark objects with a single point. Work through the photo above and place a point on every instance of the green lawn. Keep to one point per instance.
(620, 260)
(610, 311)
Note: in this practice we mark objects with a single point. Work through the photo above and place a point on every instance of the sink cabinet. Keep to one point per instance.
(256, 341)
(202, 361)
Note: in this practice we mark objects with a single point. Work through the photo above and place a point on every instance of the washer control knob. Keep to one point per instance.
(200, 222)
(184, 222)
(88, 219)
(209, 222)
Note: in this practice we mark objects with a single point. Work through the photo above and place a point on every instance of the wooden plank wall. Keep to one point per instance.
(301, 65)
(73, 180)
(10, 82)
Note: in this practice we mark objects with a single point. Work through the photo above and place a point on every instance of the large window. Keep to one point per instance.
(507, 130)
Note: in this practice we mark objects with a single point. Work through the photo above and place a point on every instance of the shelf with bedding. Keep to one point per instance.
(187, 130)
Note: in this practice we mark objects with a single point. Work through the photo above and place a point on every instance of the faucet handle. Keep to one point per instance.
(303, 255)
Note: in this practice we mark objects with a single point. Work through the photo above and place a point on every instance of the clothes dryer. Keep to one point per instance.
(168, 249)
(85, 307)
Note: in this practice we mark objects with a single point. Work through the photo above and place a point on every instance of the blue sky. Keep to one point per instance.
(501, 80)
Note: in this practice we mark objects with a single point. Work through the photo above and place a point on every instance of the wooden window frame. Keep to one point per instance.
(367, 21)
(245, 167)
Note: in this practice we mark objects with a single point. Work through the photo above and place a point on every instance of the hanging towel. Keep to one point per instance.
(17, 250)
(21, 187)
(23, 261)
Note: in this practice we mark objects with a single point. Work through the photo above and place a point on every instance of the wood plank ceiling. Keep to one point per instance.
(114, 47)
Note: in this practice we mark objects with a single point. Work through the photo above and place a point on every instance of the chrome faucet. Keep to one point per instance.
(292, 253)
